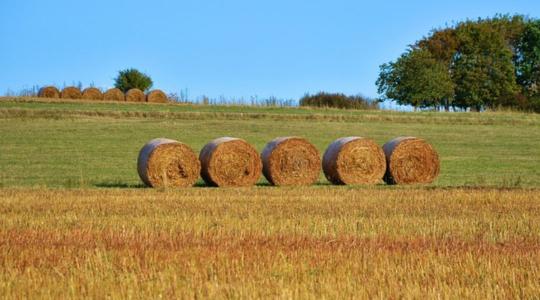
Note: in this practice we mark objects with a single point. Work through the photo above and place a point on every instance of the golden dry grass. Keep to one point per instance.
(310, 242)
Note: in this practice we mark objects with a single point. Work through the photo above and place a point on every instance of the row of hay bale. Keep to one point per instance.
(285, 161)
(114, 94)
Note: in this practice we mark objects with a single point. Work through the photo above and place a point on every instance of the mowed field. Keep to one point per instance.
(75, 220)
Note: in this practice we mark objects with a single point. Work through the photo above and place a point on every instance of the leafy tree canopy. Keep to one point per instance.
(528, 59)
(418, 79)
(486, 63)
(132, 78)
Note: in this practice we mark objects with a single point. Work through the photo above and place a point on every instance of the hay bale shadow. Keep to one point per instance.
(119, 185)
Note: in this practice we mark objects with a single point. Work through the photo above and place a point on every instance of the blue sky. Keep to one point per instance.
(222, 48)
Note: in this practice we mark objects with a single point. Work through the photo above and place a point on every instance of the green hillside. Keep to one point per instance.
(93, 144)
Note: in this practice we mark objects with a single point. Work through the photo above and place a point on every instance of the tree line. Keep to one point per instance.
(481, 64)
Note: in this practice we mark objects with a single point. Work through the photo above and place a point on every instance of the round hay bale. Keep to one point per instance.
(92, 93)
(157, 96)
(114, 94)
(49, 92)
(168, 163)
(135, 95)
(230, 161)
(410, 160)
(291, 161)
(354, 160)
(71, 92)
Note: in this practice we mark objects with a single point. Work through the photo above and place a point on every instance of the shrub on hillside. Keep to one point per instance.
(132, 79)
(338, 100)
(534, 104)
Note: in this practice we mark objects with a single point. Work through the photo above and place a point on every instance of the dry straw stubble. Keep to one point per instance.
(114, 94)
(49, 92)
(410, 160)
(354, 160)
(92, 93)
(168, 163)
(229, 161)
(157, 96)
(291, 161)
(135, 95)
(71, 92)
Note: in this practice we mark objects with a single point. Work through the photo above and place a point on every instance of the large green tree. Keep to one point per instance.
(528, 59)
(483, 69)
(478, 64)
(417, 79)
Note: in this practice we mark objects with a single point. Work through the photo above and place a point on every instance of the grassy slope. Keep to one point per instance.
(123, 109)
(72, 144)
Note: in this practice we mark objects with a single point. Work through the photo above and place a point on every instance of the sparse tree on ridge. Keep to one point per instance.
(132, 78)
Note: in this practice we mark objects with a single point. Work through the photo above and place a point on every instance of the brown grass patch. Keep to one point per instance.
(157, 96)
(354, 160)
(71, 92)
(135, 95)
(291, 161)
(253, 243)
(410, 160)
(248, 243)
(230, 161)
(114, 94)
(168, 163)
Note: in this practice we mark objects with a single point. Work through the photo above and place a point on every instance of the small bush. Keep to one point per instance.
(534, 103)
(337, 100)
(132, 79)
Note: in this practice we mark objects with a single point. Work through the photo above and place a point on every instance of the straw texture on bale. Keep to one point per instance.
(114, 94)
(410, 160)
(157, 96)
(230, 161)
(291, 161)
(354, 160)
(92, 93)
(49, 92)
(71, 92)
(168, 163)
(135, 95)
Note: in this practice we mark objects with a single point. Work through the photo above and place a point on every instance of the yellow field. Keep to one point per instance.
(310, 242)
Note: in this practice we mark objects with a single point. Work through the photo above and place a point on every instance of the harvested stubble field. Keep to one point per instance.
(76, 222)
(260, 242)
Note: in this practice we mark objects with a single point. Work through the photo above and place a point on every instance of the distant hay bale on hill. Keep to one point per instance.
(114, 94)
(92, 93)
(168, 163)
(49, 92)
(410, 160)
(135, 95)
(71, 92)
(291, 161)
(230, 161)
(354, 160)
(157, 96)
